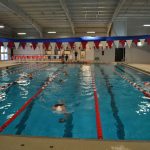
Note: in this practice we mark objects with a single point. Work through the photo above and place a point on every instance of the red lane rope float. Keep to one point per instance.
(98, 120)
(48, 81)
(138, 87)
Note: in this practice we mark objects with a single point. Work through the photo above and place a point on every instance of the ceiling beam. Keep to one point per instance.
(13, 7)
(64, 7)
(115, 14)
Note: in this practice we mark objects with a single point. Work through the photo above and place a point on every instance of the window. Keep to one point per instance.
(3, 53)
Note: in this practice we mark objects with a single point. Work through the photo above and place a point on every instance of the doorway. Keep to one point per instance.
(119, 54)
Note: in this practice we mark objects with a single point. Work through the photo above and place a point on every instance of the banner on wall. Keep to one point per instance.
(78, 43)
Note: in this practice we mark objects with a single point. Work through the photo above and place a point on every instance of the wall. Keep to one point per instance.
(29, 51)
(133, 54)
(108, 57)
(138, 54)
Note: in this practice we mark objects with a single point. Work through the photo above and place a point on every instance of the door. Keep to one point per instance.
(120, 54)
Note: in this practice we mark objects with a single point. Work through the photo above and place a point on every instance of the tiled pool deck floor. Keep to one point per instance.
(40, 143)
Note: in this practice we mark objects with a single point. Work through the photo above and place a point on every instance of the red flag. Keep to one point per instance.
(84, 44)
(136, 41)
(46, 44)
(23, 44)
(148, 41)
(34, 44)
(122, 42)
(71, 45)
(97, 44)
(1, 44)
(110, 44)
(11, 44)
(59, 45)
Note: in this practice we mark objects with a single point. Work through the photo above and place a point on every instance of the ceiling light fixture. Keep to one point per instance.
(146, 25)
(90, 32)
(21, 33)
(52, 32)
(2, 26)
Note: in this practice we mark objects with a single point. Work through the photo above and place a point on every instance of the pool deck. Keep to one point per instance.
(39, 143)
(4, 64)
(141, 67)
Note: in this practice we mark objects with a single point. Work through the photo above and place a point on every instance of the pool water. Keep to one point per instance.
(124, 111)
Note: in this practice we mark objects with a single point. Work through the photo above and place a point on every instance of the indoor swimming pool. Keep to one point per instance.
(124, 110)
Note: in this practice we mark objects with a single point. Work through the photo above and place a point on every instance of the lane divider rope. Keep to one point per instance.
(98, 120)
(28, 67)
(26, 104)
(138, 87)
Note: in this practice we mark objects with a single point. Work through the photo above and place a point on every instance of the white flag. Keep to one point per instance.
(142, 41)
(90, 45)
(65, 44)
(104, 44)
(116, 43)
(77, 44)
(5, 44)
(129, 42)
(53, 46)
(40, 45)
(16, 45)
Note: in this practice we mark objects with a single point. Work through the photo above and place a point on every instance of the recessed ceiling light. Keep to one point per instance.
(91, 32)
(52, 32)
(146, 25)
(2, 26)
(21, 33)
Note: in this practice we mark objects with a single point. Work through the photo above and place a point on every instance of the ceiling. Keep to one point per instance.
(72, 17)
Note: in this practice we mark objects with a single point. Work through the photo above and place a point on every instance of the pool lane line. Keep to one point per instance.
(18, 70)
(26, 104)
(128, 74)
(119, 124)
(98, 120)
(139, 88)
(28, 67)
(12, 83)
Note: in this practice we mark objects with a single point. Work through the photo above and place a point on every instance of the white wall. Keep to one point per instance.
(89, 54)
(132, 55)
(138, 55)
(29, 51)
(108, 57)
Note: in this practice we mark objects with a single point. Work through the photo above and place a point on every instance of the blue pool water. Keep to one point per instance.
(124, 111)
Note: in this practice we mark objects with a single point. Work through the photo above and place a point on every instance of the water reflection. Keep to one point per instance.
(2, 96)
(86, 79)
(144, 108)
(23, 89)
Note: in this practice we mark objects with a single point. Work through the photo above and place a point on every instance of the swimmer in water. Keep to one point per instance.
(61, 80)
(19, 80)
(59, 108)
(4, 87)
(147, 84)
(65, 73)
(30, 76)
